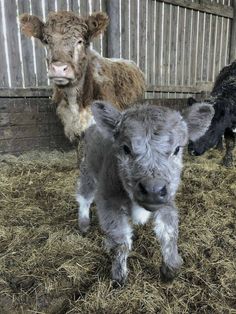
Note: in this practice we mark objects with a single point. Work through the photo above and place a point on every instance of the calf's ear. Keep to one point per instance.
(31, 26)
(198, 118)
(97, 23)
(106, 117)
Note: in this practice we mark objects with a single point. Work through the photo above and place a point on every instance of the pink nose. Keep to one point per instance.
(59, 69)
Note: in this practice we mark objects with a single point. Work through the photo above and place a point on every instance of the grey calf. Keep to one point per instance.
(132, 167)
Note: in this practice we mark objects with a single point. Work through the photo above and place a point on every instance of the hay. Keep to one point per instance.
(47, 267)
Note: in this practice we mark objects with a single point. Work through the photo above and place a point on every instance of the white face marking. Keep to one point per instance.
(234, 130)
(84, 205)
(139, 214)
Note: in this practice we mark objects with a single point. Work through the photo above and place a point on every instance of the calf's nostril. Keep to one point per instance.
(163, 191)
(65, 68)
(142, 189)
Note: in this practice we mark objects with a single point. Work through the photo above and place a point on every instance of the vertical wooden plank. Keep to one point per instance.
(104, 37)
(125, 29)
(150, 52)
(27, 50)
(113, 31)
(188, 47)
(76, 6)
(39, 49)
(159, 44)
(84, 7)
(224, 38)
(166, 45)
(133, 30)
(216, 49)
(181, 40)
(219, 45)
(206, 48)
(232, 52)
(3, 56)
(97, 40)
(212, 41)
(173, 46)
(142, 34)
(51, 5)
(194, 49)
(13, 44)
(228, 42)
(61, 5)
(200, 48)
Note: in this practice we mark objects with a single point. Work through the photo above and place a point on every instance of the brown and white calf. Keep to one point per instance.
(79, 74)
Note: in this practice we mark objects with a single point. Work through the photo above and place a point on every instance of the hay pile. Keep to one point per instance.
(47, 267)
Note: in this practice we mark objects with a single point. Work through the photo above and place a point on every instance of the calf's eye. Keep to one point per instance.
(126, 150)
(176, 150)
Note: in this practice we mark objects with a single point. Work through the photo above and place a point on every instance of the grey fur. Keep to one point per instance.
(132, 167)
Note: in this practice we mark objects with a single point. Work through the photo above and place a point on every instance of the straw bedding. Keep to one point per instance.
(46, 266)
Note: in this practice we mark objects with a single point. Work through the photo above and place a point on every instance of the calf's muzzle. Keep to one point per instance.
(151, 192)
(60, 73)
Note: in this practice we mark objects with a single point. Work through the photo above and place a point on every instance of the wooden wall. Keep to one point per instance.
(181, 45)
(30, 123)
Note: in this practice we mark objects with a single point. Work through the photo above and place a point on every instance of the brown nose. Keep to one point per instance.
(58, 69)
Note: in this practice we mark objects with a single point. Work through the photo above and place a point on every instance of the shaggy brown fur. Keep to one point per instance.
(67, 36)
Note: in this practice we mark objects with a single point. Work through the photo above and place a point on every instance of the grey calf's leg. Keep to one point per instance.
(119, 238)
(166, 229)
(230, 144)
(84, 197)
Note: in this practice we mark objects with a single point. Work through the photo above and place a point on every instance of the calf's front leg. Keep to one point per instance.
(85, 195)
(114, 223)
(166, 229)
(229, 144)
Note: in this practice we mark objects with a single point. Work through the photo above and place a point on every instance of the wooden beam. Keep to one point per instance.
(204, 6)
(45, 92)
(232, 51)
(26, 92)
(181, 88)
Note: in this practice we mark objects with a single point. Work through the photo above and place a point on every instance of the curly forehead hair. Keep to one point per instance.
(64, 21)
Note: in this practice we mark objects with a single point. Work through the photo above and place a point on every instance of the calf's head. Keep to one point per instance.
(220, 121)
(66, 37)
(148, 143)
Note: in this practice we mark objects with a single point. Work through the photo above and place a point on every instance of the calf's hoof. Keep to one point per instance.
(227, 162)
(84, 225)
(167, 273)
(119, 278)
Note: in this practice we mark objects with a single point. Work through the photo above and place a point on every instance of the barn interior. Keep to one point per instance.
(46, 265)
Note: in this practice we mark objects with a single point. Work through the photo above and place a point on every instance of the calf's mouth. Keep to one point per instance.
(60, 80)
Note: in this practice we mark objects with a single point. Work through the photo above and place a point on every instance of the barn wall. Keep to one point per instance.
(30, 123)
(180, 45)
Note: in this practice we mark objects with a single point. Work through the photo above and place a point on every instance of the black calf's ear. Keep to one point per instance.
(198, 118)
(31, 26)
(191, 101)
(106, 117)
(97, 23)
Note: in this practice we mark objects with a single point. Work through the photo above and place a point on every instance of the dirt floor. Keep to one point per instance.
(46, 266)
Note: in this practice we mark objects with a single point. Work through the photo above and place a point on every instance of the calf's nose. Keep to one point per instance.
(59, 69)
(154, 190)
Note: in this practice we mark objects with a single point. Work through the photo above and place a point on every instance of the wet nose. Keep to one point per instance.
(152, 190)
(59, 69)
